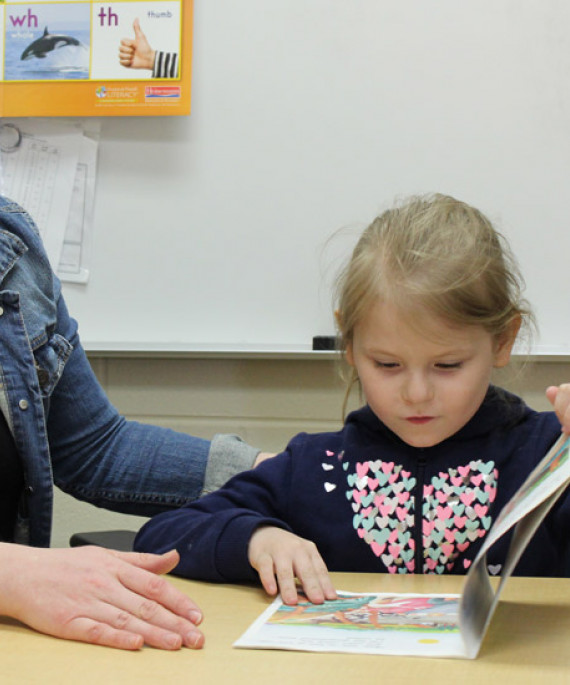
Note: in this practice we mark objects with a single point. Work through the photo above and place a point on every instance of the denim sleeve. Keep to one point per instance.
(99, 456)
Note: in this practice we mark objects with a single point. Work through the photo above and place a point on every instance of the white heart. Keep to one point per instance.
(329, 487)
(494, 569)
(327, 467)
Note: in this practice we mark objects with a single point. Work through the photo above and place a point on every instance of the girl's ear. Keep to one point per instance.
(348, 352)
(505, 343)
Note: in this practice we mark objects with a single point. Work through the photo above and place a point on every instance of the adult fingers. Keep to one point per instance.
(111, 625)
(85, 629)
(156, 563)
(152, 596)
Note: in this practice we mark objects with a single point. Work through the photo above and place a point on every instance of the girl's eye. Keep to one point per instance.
(386, 365)
(449, 365)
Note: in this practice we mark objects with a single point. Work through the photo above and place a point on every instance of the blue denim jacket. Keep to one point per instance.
(65, 429)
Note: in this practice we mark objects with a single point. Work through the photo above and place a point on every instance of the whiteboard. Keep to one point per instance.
(227, 227)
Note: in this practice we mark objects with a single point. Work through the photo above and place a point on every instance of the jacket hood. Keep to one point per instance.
(499, 409)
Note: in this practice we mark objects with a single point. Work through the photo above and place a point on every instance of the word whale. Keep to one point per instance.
(48, 42)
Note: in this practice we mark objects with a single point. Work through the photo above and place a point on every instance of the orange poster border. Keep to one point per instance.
(105, 98)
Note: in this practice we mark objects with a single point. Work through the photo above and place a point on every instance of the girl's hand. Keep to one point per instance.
(99, 596)
(559, 397)
(279, 556)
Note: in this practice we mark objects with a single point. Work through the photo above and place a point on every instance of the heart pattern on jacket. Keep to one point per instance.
(455, 512)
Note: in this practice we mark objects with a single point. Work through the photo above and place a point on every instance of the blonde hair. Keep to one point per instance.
(435, 253)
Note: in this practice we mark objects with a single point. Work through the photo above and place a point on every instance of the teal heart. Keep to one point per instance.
(381, 536)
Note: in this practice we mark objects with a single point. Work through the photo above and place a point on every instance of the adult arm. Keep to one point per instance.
(127, 466)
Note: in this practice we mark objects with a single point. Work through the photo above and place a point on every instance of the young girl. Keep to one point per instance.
(428, 305)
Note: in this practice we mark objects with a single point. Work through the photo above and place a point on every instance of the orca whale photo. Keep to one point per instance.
(47, 43)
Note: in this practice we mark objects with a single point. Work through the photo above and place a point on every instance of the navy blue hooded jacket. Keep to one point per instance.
(373, 503)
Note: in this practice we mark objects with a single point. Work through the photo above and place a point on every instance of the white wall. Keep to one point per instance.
(310, 116)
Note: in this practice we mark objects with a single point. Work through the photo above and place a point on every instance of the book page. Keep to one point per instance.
(527, 509)
(360, 623)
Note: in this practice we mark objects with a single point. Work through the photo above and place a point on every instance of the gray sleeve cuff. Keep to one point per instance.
(229, 455)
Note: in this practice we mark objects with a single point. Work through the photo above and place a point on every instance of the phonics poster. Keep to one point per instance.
(88, 58)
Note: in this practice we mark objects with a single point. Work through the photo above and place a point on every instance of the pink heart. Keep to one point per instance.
(376, 548)
(480, 510)
(401, 513)
(393, 536)
(444, 513)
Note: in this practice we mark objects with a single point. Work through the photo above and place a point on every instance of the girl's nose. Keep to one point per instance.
(417, 388)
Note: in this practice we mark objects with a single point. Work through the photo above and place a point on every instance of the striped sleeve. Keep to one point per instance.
(165, 65)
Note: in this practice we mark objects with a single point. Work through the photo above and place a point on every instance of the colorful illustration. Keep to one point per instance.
(93, 58)
(551, 463)
(362, 623)
(47, 42)
(374, 612)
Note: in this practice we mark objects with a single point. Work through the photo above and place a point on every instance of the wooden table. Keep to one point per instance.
(528, 642)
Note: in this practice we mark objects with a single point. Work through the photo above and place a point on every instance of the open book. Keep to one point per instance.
(419, 624)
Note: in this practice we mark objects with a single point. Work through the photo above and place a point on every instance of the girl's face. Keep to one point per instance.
(424, 382)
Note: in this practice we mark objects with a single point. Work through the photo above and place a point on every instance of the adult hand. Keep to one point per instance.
(99, 596)
(279, 556)
(136, 53)
(559, 396)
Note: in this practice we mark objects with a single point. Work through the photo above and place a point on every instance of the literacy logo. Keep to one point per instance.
(101, 92)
